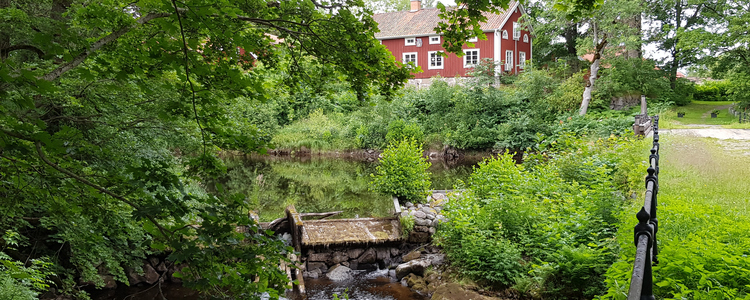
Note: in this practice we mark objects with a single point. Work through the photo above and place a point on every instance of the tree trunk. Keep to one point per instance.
(571, 34)
(675, 52)
(635, 24)
(592, 77)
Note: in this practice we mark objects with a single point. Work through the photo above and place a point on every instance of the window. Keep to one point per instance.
(410, 41)
(410, 57)
(525, 38)
(522, 59)
(436, 61)
(505, 34)
(473, 40)
(508, 60)
(516, 31)
(434, 40)
(471, 58)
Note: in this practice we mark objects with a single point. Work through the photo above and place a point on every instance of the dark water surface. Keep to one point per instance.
(374, 285)
(319, 184)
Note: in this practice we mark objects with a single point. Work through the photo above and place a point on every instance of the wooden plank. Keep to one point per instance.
(295, 222)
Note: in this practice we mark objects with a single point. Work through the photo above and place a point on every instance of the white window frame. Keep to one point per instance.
(416, 58)
(505, 34)
(525, 38)
(434, 42)
(429, 61)
(516, 31)
(412, 43)
(508, 60)
(473, 40)
(522, 59)
(466, 56)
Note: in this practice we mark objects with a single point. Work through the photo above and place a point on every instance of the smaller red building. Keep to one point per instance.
(410, 36)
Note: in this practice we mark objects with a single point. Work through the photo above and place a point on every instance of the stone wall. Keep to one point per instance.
(625, 102)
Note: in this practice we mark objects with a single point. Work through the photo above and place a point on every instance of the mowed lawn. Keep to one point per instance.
(699, 112)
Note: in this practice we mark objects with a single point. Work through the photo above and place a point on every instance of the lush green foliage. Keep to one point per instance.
(703, 225)
(398, 130)
(544, 227)
(402, 172)
(712, 91)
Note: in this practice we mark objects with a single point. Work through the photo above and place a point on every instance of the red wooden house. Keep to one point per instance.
(410, 36)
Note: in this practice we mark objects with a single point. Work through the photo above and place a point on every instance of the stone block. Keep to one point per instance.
(419, 237)
(368, 257)
(422, 222)
(339, 257)
(421, 228)
(412, 256)
(354, 253)
(319, 257)
(383, 253)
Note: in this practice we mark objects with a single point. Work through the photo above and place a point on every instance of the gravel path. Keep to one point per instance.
(712, 131)
(730, 139)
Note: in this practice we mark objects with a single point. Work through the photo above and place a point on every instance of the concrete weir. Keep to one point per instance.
(333, 248)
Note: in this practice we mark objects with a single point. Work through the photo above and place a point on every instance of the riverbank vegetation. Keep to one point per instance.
(545, 228)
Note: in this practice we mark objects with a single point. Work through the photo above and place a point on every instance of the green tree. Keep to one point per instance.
(723, 46)
(669, 21)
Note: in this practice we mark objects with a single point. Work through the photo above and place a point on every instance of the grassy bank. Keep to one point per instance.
(704, 224)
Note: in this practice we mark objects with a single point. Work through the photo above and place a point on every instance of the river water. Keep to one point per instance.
(319, 184)
(371, 285)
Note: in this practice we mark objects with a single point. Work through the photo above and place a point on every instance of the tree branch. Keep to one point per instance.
(5, 52)
(51, 76)
(99, 188)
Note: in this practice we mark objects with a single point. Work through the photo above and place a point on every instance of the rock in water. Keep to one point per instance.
(417, 266)
(339, 273)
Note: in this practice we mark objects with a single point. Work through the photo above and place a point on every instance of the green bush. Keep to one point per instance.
(713, 91)
(399, 130)
(543, 227)
(403, 172)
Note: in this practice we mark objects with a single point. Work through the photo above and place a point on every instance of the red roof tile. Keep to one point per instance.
(424, 21)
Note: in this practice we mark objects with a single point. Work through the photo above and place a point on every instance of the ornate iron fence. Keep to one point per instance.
(647, 251)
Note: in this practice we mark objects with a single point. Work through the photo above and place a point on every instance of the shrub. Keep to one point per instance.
(713, 91)
(403, 172)
(399, 130)
(543, 228)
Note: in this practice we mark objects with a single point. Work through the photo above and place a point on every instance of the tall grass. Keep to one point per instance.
(317, 132)
(704, 224)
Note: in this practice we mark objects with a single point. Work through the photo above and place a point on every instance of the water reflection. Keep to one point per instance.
(318, 184)
(365, 286)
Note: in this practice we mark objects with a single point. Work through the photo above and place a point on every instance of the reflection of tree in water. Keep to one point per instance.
(318, 185)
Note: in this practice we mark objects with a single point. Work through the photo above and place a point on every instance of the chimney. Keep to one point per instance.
(416, 5)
